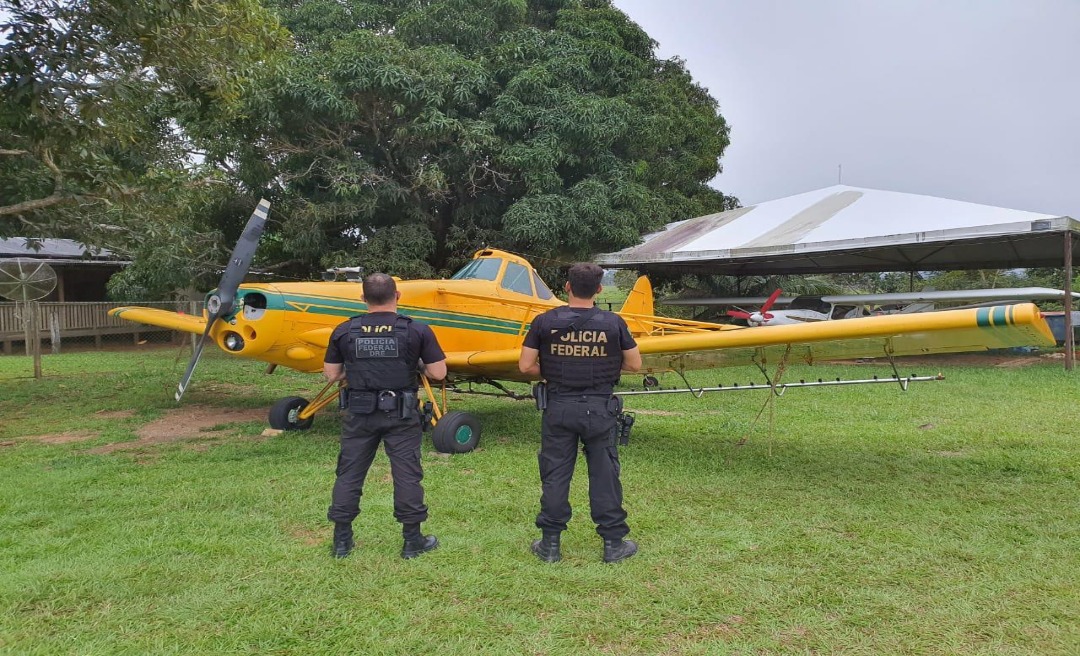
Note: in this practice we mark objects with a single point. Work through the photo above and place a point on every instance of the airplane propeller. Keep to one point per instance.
(762, 315)
(222, 300)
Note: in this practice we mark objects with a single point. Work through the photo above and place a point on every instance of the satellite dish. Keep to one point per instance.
(23, 280)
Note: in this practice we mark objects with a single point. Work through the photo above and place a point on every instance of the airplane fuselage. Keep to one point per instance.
(289, 324)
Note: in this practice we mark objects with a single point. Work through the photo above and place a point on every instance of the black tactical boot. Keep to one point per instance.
(547, 548)
(616, 550)
(416, 543)
(343, 539)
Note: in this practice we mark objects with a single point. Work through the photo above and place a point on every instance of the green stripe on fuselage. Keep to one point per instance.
(345, 308)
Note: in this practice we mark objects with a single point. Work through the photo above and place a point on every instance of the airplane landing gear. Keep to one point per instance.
(456, 432)
(284, 414)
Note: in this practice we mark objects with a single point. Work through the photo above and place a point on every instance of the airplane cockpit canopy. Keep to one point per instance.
(482, 268)
(516, 277)
(813, 303)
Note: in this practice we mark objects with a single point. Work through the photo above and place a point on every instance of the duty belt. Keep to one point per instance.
(403, 402)
(387, 400)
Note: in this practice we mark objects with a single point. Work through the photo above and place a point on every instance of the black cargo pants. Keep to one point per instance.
(590, 420)
(360, 437)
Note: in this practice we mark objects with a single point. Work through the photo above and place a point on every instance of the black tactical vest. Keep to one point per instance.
(377, 358)
(581, 354)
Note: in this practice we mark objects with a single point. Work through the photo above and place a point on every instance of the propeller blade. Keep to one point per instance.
(221, 301)
(772, 299)
(738, 314)
(194, 359)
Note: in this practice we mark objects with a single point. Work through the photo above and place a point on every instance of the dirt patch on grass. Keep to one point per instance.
(114, 414)
(66, 437)
(187, 423)
(191, 421)
(309, 536)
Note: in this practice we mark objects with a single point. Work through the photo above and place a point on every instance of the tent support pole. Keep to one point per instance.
(1070, 347)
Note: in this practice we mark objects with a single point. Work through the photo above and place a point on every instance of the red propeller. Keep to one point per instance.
(762, 315)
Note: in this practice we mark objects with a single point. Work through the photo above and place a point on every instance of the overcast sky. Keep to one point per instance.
(975, 100)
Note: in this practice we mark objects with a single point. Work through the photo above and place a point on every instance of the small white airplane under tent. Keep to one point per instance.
(843, 229)
(810, 308)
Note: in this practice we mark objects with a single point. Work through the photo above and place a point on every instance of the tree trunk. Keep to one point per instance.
(441, 221)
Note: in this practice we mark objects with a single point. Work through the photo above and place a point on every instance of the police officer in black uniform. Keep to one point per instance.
(579, 351)
(378, 353)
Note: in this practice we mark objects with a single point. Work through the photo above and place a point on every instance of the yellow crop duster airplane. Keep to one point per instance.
(481, 314)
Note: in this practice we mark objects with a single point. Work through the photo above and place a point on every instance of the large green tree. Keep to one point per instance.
(404, 134)
(107, 108)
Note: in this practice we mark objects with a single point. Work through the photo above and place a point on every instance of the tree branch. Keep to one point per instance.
(36, 204)
(282, 265)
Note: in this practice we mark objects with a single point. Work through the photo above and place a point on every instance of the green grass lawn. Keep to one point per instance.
(854, 520)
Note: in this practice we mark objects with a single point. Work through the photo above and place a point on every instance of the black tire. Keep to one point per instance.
(283, 414)
(456, 432)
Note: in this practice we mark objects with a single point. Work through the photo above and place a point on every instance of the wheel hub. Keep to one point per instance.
(463, 434)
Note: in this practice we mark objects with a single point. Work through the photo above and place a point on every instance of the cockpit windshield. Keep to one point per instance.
(810, 303)
(542, 290)
(484, 268)
(515, 279)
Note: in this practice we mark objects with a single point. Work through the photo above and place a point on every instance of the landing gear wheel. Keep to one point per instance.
(283, 414)
(456, 432)
(649, 381)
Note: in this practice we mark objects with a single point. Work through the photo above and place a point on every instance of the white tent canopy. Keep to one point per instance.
(849, 229)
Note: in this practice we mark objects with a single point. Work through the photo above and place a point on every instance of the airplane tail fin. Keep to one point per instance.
(638, 306)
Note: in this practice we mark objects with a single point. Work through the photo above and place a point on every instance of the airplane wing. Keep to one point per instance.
(726, 300)
(999, 295)
(188, 323)
(949, 331)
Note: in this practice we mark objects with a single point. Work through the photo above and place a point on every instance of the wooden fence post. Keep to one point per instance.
(35, 328)
(24, 316)
(54, 332)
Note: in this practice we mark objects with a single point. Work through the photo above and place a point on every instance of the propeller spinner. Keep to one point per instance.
(761, 316)
(222, 300)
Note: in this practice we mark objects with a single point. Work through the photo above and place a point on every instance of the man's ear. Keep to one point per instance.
(397, 296)
(566, 286)
(599, 288)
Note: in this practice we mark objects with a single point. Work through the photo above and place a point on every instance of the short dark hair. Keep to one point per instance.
(379, 289)
(585, 279)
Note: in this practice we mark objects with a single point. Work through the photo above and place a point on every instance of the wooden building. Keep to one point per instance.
(76, 310)
(81, 273)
